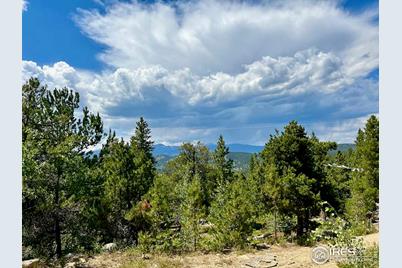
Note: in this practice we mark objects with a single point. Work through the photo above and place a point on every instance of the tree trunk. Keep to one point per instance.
(275, 226)
(302, 223)
(58, 238)
(57, 219)
(300, 226)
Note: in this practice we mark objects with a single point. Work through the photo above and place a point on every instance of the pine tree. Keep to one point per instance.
(141, 147)
(194, 160)
(56, 147)
(223, 165)
(141, 140)
(253, 163)
(367, 151)
(129, 169)
(119, 184)
(339, 180)
(233, 213)
(272, 190)
(192, 211)
(298, 162)
(364, 183)
(165, 199)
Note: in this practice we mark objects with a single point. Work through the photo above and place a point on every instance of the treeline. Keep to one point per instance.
(76, 201)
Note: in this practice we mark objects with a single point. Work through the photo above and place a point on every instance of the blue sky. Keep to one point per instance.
(199, 69)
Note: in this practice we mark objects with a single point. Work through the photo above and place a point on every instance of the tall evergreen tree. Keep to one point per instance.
(364, 183)
(367, 151)
(233, 213)
(141, 140)
(339, 180)
(272, 192)
(223, 165)
(119, 184)
(129, 169)
(192, 211)
(55, 147)
(141, 147)
(298, 161)
(194, 160)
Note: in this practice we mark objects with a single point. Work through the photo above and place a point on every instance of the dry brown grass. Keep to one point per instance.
(289, 255)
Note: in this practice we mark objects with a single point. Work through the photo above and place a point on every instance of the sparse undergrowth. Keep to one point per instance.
(160, 262)
(369, 259)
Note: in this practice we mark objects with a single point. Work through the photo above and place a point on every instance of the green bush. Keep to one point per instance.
(233, 214)
(368, 259)
(335, 231)
(162, 241)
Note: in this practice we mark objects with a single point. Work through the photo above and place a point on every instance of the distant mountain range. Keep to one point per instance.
(160, 149)
(343, 147)
(239, 153)
(241, 160)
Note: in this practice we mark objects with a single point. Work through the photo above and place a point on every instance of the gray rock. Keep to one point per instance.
(226, 250)
(33, 263)
(70, 265)
(262, 246)
(262, 236)
(258, 263)
(109, 247)
(146, 256)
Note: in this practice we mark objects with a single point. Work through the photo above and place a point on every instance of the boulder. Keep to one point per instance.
(33, 263)
(262, 246)
(70, 265)
(109, 247)
(146, 256)
(69, 255)
(262, 262)
(262, 236)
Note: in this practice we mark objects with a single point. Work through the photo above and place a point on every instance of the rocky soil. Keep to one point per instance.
(288, 256)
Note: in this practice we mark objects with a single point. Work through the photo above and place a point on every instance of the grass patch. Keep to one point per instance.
(154, 262)
(369, 259)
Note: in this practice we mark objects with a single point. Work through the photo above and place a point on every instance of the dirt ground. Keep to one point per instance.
(371, 239)
(289, 256)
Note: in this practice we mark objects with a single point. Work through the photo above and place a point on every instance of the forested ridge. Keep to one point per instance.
(241, 160)
(76, 201)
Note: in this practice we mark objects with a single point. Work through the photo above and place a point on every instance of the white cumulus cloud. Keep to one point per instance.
(203, 68)
(306, 71)
(221, 36)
